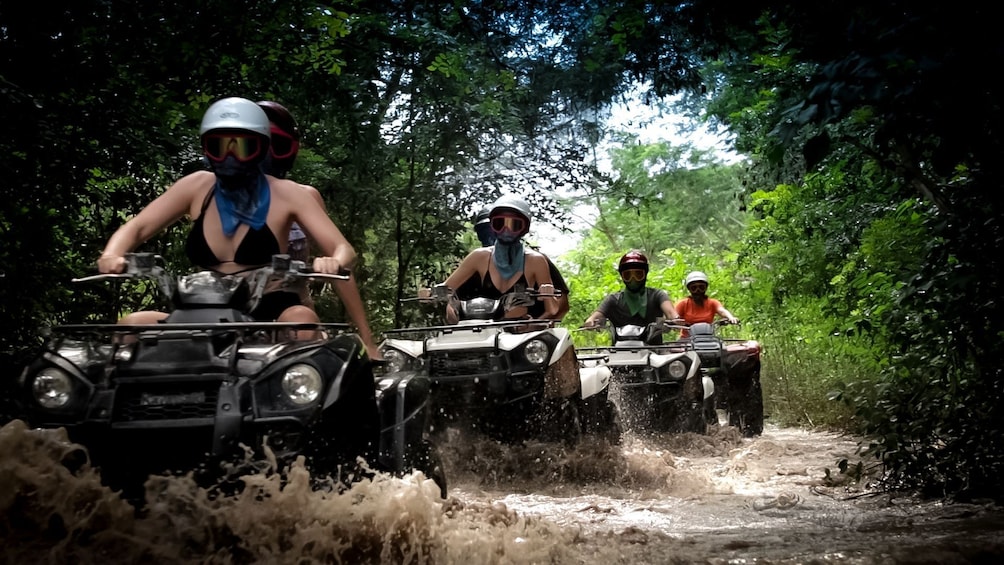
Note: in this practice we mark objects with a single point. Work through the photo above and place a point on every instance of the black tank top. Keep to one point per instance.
(256, 248)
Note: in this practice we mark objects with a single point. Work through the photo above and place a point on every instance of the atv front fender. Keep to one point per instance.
(594, 380)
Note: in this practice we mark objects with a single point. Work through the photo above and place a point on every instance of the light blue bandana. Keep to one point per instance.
(243, 206)
(509, 258)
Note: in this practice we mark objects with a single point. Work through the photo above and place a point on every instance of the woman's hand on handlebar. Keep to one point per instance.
(328, 266)
(110, 263)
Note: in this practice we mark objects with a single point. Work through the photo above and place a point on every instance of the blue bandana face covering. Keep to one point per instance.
(509, 257)
(243, 206)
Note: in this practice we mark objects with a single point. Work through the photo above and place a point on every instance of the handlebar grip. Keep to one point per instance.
(102, 276)
(317, 275)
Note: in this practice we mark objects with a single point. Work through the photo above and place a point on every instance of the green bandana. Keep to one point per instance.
(636, 301)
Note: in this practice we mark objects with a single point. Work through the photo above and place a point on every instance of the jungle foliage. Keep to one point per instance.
(874, 143)
(868, 223)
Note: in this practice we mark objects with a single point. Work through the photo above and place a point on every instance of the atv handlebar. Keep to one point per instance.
(283, 265)
(659, 324)
(441, 294)
(150, 266)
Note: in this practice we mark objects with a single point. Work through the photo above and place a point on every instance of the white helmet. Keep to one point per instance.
(695, 276)
(514, 203)
(236, 113)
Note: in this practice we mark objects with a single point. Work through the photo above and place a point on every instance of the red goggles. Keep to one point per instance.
(634, 275)
(243, 146)
(512, 223)
(283, 145)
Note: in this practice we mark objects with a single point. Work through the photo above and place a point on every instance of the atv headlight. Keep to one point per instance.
(536, 351)
(302, 384)
(396, 360)
(677, 369)
(53, 388)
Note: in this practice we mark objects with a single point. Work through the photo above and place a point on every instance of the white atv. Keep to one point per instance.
(659, 387)
(511, 380)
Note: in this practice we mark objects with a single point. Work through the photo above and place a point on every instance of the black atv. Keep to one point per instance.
(198, 390)
(734, 366)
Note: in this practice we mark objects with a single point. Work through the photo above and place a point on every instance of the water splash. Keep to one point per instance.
(680, 498)
(56, 510)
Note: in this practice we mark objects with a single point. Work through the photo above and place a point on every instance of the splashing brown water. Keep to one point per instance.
(666, 499)
(54, 515)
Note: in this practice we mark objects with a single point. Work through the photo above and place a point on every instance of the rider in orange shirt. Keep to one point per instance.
(698, 307)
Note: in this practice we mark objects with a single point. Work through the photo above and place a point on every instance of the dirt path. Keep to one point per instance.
(722, 498)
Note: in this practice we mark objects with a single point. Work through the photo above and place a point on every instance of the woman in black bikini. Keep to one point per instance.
(497, 270)
(283, 149)
(237, 212)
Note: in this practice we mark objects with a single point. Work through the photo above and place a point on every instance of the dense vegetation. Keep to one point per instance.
(862, 249)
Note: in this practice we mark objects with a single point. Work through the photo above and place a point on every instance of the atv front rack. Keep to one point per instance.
(203, 326)
(672, 347)
(473, 327)
(154, 330)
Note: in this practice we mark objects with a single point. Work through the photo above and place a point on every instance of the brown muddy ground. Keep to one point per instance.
(681, 498)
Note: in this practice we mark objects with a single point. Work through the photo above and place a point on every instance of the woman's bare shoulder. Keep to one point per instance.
(478, 258)
(535, 257)
(293, 191)
(196, 180)
(193, 187)
(281, 185)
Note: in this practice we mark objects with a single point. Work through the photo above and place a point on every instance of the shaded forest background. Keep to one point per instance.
(859, 240)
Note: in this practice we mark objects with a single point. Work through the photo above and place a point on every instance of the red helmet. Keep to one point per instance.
(633, 259)
(280, 116)
(285, 139)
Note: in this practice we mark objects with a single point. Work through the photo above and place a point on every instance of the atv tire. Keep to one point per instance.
(601, 418)
(612, 428)
(746, 408)
(688, 417)
(710, 410)
(427, 460)
(560, 421)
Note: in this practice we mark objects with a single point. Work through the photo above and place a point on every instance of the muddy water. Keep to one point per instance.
(680, 498)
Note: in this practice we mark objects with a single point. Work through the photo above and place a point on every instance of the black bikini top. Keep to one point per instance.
(256, 248)
(488, 289)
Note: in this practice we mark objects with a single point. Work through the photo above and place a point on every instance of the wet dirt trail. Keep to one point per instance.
(724, 499)
(680, 498)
